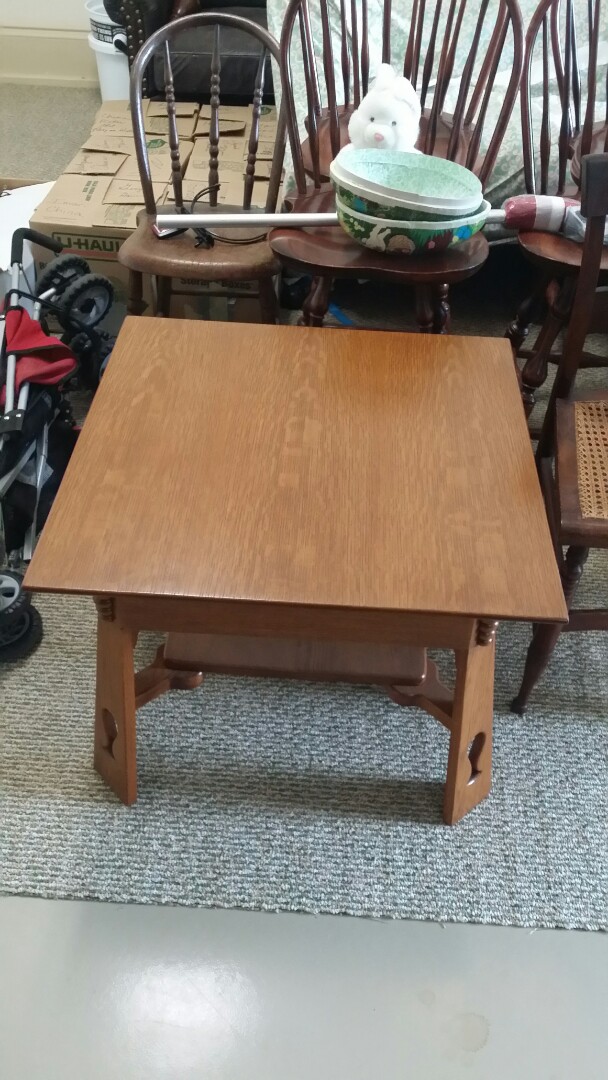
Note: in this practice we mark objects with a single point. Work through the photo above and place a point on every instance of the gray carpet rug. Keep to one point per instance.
(285, 796)
(289, 796)
(42, 127)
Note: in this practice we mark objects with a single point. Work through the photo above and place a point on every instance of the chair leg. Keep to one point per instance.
(425, 309)
(442, 317)
(517, 331)
(163, 289)
(135, 298)
(534, 371)
(269, 306)
(316, 304)
(546, 635)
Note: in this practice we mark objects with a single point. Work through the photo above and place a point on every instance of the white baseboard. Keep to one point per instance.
(46, 57)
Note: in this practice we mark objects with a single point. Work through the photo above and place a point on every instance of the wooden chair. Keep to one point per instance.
(572, 455)
(553, 166)
(429, 61)
(177, 257)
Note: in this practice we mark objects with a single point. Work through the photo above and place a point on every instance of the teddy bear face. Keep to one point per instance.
(383, 122)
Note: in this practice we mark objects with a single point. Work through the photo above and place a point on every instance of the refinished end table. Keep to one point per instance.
(309, 503)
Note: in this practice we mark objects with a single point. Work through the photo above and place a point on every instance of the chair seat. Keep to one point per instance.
(542, 247)
(330, 251)
(582, 469)
(177, 256)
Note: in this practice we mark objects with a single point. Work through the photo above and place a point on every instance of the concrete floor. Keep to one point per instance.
(91, 991)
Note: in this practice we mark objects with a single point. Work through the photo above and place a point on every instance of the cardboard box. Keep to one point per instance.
(231, 169)
(245, 309)
(110, 148)
(182, 108)
(78, 214)
(113, 119)
(233, 120)
(91, 163)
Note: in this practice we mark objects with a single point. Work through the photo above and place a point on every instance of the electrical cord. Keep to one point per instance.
(206, 237)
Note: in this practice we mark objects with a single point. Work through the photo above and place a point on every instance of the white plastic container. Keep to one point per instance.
(112, 70)
(102, 26)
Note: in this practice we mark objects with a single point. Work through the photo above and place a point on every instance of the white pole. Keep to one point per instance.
(267, 221)
(244, 221)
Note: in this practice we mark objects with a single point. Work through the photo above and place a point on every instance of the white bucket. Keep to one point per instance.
(102, 26)
(112, 69)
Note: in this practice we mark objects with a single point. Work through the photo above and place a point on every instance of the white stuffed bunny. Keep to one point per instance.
(389, 114)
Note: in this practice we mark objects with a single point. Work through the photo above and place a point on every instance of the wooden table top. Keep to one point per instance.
(322, 467)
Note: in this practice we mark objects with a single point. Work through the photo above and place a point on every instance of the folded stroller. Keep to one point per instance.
(37, 429)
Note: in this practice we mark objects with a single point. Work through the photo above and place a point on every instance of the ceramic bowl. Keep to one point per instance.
(365, 201)
(406, 237)
(397, 185)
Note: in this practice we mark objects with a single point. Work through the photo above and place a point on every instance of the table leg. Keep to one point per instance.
(469, 772)
(115, 746)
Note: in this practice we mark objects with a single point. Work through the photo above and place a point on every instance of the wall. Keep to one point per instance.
(44, 14)
(45, 42)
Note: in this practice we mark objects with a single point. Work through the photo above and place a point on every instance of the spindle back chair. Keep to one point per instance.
(453, 70)
(177, 257)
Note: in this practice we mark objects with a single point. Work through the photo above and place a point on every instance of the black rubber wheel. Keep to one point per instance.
(13, 601)
(25, 637)
(62, 272)
(85, 303)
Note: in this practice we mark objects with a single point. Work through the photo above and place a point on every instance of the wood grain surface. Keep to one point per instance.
(305, 466)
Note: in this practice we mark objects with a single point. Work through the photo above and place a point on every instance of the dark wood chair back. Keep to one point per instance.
(435, 41)
(160, 42)
(553, 47)
(594, 207)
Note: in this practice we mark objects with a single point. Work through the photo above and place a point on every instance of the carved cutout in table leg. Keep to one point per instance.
(430, 694)
(115, 746)
(469, 775)
(157, 679)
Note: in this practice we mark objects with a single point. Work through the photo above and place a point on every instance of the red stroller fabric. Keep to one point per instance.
(41, 358)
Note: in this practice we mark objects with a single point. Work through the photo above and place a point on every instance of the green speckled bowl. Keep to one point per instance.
(380, 207)
(402, 186)
(405, 237)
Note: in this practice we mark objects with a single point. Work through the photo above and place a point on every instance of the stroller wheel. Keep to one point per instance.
(61, 272)
(13, 601)
(22, 638)
(85, 303)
